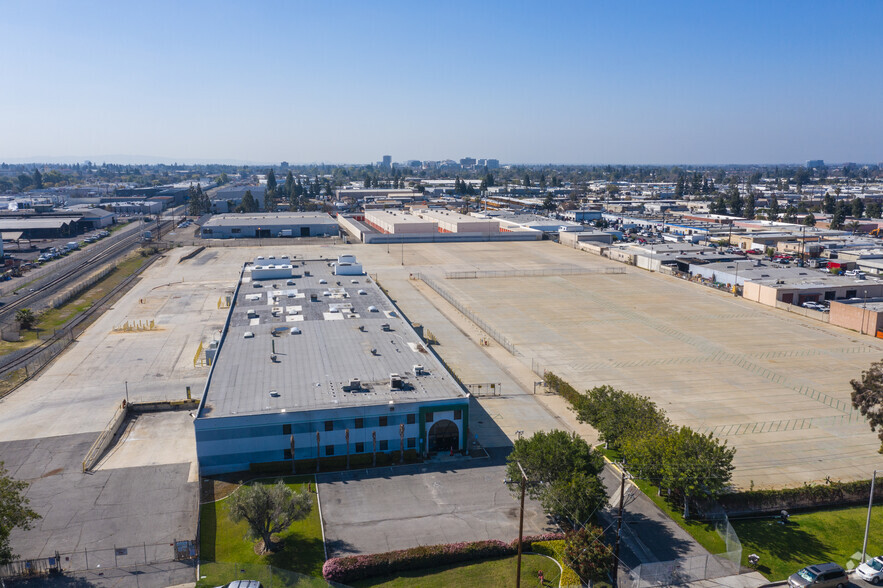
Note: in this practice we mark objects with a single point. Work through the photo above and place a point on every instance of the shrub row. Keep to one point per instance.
(333, 463)
(555, 550)
(359, 567)
(562, 388)
(806, 496)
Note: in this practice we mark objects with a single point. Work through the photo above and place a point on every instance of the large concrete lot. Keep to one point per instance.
(372, 511)
(774, 385)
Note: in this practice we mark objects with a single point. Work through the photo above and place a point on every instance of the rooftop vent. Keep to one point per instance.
(418, 370)
(372, 309)
(355, 384)
(323, 281)
(248, 335)
(274, 394)
(385, 327)
(362, 292)
(295, 331)
(396, 382)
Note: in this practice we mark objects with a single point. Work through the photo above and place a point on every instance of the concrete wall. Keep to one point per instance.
(621, 256)
(856, 318)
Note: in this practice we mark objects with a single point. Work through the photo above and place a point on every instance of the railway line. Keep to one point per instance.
(51, 284)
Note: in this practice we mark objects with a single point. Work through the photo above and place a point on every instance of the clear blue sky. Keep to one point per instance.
(531, 82)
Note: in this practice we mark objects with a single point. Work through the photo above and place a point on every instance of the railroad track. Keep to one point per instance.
(66, 275)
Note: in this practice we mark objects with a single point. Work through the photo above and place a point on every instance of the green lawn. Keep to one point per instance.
(491, 573)
(222, 541)
(814, 537)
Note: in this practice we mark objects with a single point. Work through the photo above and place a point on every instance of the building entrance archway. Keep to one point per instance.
(444, 436)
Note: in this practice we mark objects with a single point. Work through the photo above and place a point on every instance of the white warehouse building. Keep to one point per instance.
(312, 364)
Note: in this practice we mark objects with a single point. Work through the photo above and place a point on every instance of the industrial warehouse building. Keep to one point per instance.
(314, 361)
(264, 225)
(428, 225)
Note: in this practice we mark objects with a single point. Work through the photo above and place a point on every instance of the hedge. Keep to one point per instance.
(358, 461)
(555, 550)
(359, 567)
(528, 540)
(806, 496)
(563, 389)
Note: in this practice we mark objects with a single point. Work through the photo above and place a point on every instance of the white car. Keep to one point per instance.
(871, 571)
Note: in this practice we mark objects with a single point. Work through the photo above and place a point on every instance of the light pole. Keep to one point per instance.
(868, 520)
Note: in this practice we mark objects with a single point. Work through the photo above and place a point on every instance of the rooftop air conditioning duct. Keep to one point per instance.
(295, 331)
(355, 384)
(384, 327)
(395, 382)
(418, 370)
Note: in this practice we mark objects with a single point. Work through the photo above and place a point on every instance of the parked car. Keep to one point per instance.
(871, 571)
(826, 575)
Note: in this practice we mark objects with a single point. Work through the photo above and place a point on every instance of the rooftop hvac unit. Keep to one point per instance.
(372, 309)
(362, 292)
(307, 273)
(395, 382)
(274, 394)
(355, 384)
(295, 331)
(252, 313)
(248, 335)
(418, 370)
(323, 281)
(385, 327)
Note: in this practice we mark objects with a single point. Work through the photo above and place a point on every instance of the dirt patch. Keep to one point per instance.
(54, 472)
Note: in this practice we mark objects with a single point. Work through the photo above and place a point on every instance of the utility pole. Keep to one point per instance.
(615, 574)
(868, 520)
(520, 525)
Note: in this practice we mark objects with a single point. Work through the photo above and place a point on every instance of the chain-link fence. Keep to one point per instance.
(495, 335)
(690, 569)
(218, 574)
(532, 273)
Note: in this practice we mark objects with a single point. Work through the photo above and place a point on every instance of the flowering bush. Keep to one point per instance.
(359, 567)
(528, 540)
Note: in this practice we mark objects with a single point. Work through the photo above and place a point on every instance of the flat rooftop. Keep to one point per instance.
(330, 329)
(269, 219)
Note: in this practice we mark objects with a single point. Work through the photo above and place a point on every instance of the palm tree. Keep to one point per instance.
(25, 318)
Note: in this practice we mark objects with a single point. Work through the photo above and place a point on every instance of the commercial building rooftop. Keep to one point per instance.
(299, 339)
(269, 219)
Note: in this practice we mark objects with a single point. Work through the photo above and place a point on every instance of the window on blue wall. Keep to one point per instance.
(360, 423)
(458, 414)
(429, 417)
(329, 450)
(412, 442)
(329, 425)
(287, 454)
(383, 421)
(412, 418)
(286, 429)
(360, 448)
(384, 445)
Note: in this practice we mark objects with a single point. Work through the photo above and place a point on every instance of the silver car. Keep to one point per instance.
(827, 575)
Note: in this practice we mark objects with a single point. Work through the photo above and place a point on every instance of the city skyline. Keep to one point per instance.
(687, 82)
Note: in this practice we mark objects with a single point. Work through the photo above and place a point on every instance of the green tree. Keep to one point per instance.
(563, 473)
(612, 190)
(548, 202)
(839, 216)
(873, 209)
(25, 318)
(618, 415)
(268, 509)
(867, 397)
(679, 187)
(222, 179)
(587, 553)
(734, 201)
(695, 465)
(749, 205)
(774, 207)
(858, 207)
(270, 195)
(249, 204)
(718, 206)
(526, 181)
(828, 204)
(14, 512)
(809, 220)
(790, 215)
(38, 180)
(24, 181)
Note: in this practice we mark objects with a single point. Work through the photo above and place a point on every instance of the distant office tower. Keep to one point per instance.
(387, 162)
(467, 161)
(493, 164)
(810, 164)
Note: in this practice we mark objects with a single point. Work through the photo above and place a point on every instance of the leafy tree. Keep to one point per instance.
(24, 181)
(839, 216)
(199, 201)
(222, 179)
(867, 397)
(873, 209)
(249, 204)
(790, 216)
(858, 207)
(270, 195)
(562, 469)
(268, 509)
(774, 207)
(14, 512)
(612, 189)
(809, 220)
(526, 181)
(25, 318)
(734, 201)
(587, 553)
(679, 187)
(38, 179)
(618, 415)
(828, 203)
(749, 205)
(695, 465)
(548, 202)
(718, 206)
